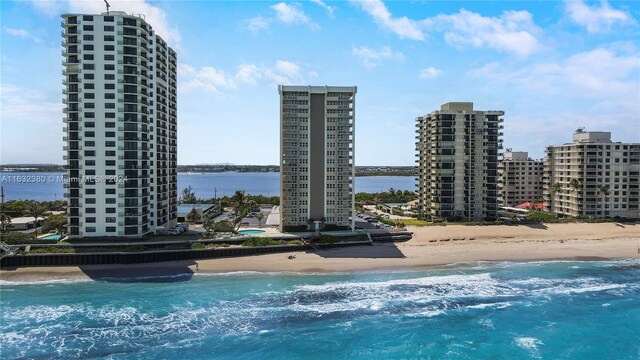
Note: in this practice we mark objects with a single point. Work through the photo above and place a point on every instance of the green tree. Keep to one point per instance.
(188, 196)
(553, 190)
(208, 224)
(193, 216)
(604, 193)
(37, 211)
(260, 216)
(5, 222)
(56, 222)
(576, 187)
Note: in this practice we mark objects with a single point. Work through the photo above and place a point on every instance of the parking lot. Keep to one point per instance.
(362, 222)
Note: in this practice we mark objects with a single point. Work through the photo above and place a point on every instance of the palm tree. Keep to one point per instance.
(35, 210)
(553, 190)
(604, 193)
(260, 216)
(187, 196)
(575, 185)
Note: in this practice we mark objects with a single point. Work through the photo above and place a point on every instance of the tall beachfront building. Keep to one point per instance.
(120, 126)
(457, 154)
(593, 176)
(316, 157)
(520, 178)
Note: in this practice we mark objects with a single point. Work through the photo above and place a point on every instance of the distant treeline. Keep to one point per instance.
(360, 170)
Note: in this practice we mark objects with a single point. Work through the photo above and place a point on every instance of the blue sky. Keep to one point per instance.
(552, 66)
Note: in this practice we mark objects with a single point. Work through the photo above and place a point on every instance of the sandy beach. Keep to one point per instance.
(430, 246)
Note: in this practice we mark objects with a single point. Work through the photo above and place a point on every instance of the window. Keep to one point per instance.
(90, 191)
(110, 210)
(109, 153)
(109, 76)
(89, 153)
(109, 191)
(87, 37)
(90, 200)
(91, 210)
(90, 115)
(109, 48)
(110, 229)
(110, 163)
(110, 219)
(90, 172)
(89, 105)
(88, 76)
(90, 162)
(89, 86)
(108, 19)
(88, 56)
(89, 134)
(87, 46)
(89, 124)
(110, 134)
(109, 38)
(109, 96)
(110, 115)
(110, 200)
(90, 229)
(89, 143)
(90, 220)
(87, 18)
(109, 105)
(110, 172)
(89, 96)
(108, 28)
(109, 86)
(109, 67)
(110, 144)
(109, 57)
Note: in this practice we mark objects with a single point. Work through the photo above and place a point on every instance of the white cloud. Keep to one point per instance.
(513, 31)
(601, 76)
(154, 15)
(291, 14)
(330, 9)
(22, 33)
(21, 110)
(255, 24)
(595, 18)
(214, 80)
(312, 74)
(403, 27)
(371, 58)
(430, 72)
(205, 78)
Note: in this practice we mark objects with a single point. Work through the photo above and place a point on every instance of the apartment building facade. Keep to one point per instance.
(120, 126)
(520, 179)
(457, 154)
(317, 169)
(593, 177)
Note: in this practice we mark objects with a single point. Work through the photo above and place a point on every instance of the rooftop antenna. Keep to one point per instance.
(108, 6)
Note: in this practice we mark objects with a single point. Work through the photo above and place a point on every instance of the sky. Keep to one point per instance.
(552, 66)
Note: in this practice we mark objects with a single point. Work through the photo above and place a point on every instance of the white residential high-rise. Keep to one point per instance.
(316, 157)
(458, 149)
(520, 179)
(593, 176)
(120, 126)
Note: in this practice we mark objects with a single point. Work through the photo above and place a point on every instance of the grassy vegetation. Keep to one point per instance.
(265, 241)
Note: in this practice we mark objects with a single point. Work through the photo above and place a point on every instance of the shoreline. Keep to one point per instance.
(430, 247)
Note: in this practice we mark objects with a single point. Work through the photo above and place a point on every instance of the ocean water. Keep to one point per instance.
(487, 310)
(49, 186)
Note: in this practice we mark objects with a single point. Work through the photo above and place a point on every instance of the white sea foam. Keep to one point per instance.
(528, 343)
(43, 282)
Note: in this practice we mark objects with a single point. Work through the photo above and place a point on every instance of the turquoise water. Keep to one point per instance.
(251, 232)
(55, 237)
(540, 310)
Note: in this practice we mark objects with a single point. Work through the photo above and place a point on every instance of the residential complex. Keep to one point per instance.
(593, 176)
(457, 149)
(520, 179)
(316, 157)
(120, 126)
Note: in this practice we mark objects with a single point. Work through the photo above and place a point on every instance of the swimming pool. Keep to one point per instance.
(54, 237)
(251, 232)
